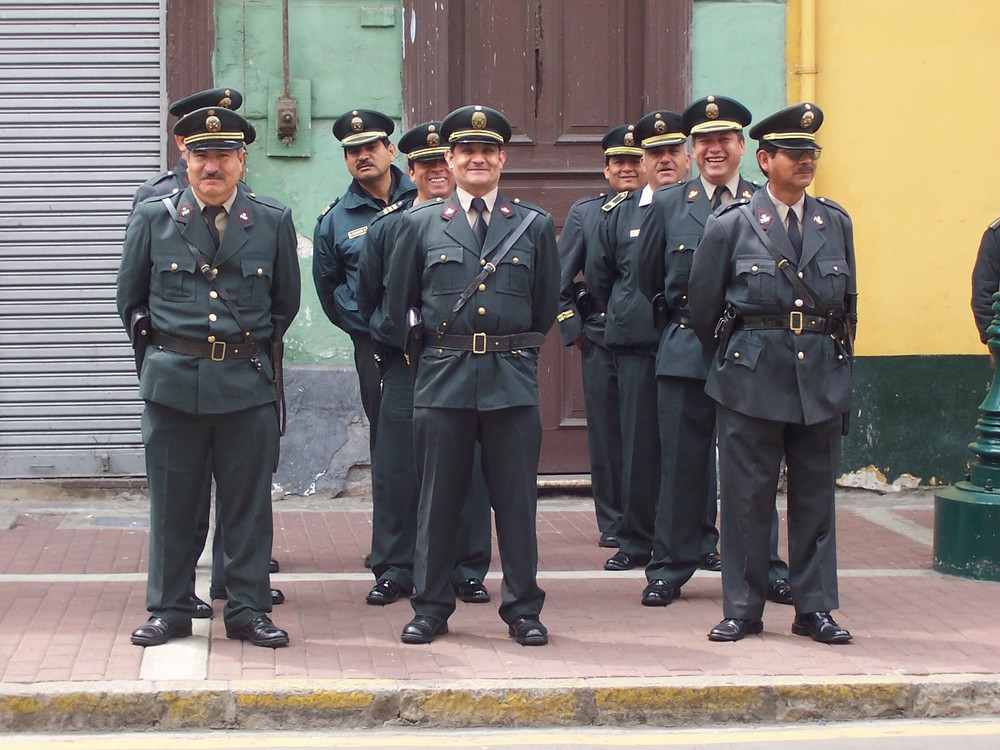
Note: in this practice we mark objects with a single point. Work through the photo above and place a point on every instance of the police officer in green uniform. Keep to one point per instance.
(685, 536)
(395, 489)
(477, 375)
(774, 276)
(986, 280)
(207, 377)
(170, 183)
(340, 232)
(613, 274)
(581, 323)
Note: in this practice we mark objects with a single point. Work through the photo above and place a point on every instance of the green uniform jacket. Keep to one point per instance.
(165, 183)
(258, 267)
(337, 243)
(435, 258)
(373, 269)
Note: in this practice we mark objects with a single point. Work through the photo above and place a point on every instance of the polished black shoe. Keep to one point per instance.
(659, 593)
(608, 539)
(368, 561)
(528, 631)
(422, 629)
(277, 596)
(734, 629)
(472, 591)
(272, 566)
(158, 631)
(202, 609)
(711, 561)
(260, 631)
(625, 561)
(384, 592)
(820, 626)
(780, 591)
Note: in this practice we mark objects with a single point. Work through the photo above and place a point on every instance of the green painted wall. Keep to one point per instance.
(343, 54)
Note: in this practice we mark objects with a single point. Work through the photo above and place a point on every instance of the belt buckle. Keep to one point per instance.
(218, 351)
(479, 343)
(795, 321)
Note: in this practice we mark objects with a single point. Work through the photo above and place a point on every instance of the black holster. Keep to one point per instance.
(413, 337)
(661, 312)
(724, 331)
(139, 330)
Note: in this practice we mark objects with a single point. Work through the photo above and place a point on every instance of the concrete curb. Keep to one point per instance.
(358, 704)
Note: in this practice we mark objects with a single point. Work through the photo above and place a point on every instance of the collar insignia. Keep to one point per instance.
(506, 210)
(764, 219)
(818, 220)
(746, 194)
(243, 217)
(449, 213)
(693, 193)
(185, 210)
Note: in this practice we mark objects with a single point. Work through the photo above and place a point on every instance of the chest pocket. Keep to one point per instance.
(443, 270)
(756, 277)
(834, 274)
(255, 286)
(513, 275)
(176, 277)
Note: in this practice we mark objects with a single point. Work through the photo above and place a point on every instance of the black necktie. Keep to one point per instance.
(479, 228)
(717, 198)
(211, 212)
(793, 231)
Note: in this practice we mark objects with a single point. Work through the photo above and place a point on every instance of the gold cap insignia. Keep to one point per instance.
(807, 118)
(357, 124)
(711, 110)
(212, 123)
(433, 139)
(226, 101)
(660, 126)
(629, 139)
(478, 120)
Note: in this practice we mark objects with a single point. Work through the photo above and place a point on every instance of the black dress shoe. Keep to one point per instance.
(422, 629)
(385, 591)
(528, 631)
(608, 539)
(625, 561)
(711, 561)
(368, 561)
(473, 591)
(218, 592)
(820, 626)
(260, 631)
(659, 593)
(277, 596)
(272, 566)
(202, 609)
(780, 591)
(734, 629)
(158, 631)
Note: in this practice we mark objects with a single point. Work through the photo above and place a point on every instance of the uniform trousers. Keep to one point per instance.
(510, 440)
(396, 493)
(640, 451)
(750, 452)
(243, 445)
(604, 436)
(369, 382)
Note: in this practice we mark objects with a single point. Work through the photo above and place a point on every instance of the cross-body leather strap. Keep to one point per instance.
(808, 296)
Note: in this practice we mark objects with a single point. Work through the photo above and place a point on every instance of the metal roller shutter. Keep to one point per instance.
(80, 128)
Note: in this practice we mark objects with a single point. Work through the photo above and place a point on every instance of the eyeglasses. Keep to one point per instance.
(795, 154)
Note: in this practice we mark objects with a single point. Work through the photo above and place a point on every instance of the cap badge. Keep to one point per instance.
(226, 101)
(212, 123)
(711, 110)
(629, 139)
(660, 126)
(433, 139)
(357, 124)
(807, 118)
(478, 120)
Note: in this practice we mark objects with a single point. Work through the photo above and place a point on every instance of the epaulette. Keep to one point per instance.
(832, 204)
(731, 205)
(610, 205)
(427, 204)
(995, 224)
(532, 206)
(266, 200)
(327, 209)
(389, 209)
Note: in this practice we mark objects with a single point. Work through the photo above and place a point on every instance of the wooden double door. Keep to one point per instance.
(564, 72)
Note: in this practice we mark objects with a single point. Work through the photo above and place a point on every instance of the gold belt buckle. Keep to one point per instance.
(479, 343)
(795, 321)
(218, 351)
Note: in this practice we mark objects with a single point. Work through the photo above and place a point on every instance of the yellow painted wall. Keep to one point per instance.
(911, 95)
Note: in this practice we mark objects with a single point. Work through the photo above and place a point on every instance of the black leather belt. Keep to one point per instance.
(681, 317)
(217, 351)
(481, 343)
(795, 321)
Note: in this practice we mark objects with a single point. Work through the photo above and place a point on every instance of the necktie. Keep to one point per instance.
(718, 198)
(793, 231)
(211, 213)
(479, 228)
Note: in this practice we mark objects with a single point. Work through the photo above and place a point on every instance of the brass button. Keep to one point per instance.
(736, 355)
(799, 303)
(482, 261)
(215, 271)
(515, 260)
(801, 275)
(213, 294)
(482, 287)
(683, 326)
(802, 355)
(444, 257)
(603, 314)
(482, 310)
(211, 339)
(173, 266)
(213, 317)
(684, 297)
(840, 356)
(260, 271)
(754, 269)
(680, 247)
(440, 352)
(836, 268)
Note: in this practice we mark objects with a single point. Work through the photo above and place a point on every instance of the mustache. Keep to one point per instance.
(211, 176)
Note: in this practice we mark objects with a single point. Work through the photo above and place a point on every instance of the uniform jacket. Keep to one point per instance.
(986, 279)
(165, 183)
(613, 274)
(573, 240)
(337, 242)
(671, 230)
(258, 267)
(434, 259)
(373, 270)
(774, 374)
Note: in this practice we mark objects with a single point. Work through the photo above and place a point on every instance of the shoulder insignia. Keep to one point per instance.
(449, 212)
(327, 209)
(731, 205)
(610, 205)
(693, 194)
(995, 224)
(564, 315)
(359, 232)
(522, 204)
(834, 205)
(389, 209)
